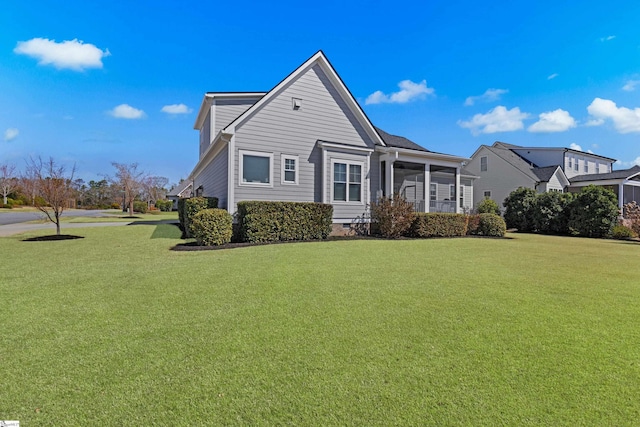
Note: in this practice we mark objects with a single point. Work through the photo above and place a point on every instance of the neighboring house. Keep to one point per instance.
(180, 191)
(308, 140)
(625, 183)
(502, 168)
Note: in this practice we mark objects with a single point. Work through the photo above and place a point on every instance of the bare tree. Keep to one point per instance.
(52, 186)
(154, 188)
(130, 179)
(8, 180)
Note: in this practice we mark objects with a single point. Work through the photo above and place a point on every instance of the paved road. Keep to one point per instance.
(11, 229)
(19, 217)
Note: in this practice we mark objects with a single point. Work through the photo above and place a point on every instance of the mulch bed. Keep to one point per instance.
(52, 238)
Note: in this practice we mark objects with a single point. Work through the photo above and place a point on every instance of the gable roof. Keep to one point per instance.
(317, 59)
(618, 174)
(514, 160)
(399, 141)
(177, 190)
(210, 97)
(544, 174)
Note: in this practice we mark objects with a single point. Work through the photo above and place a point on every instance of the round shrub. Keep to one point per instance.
(593, 212)
(140, 206)
(488, 206)
(164, 205)
(212, 227)
(491, 225)
(621, 232)
(519, 209)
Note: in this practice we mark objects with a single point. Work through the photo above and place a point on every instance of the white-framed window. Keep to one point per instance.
(483, 164)
(346, 181)
(576, 166)
(452, 192)
(487, 194)
(255, 168)
(570, 162)
(290, 166)
(597, 167)
(462, 196)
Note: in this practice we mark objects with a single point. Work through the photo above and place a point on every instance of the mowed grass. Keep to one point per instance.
(115, 329)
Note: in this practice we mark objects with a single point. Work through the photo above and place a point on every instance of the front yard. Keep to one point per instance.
(115, 329)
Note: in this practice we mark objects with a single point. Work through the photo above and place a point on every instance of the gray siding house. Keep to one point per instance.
(502, 168)
(308, 140)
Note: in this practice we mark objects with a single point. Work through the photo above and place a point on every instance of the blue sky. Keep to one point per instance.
(97, 82)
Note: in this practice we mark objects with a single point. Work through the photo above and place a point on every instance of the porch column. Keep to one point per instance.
(389, 177)
(620, 195)
(457, 198)
(427, 186)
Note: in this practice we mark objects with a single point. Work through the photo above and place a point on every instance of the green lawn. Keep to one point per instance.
(115, 329)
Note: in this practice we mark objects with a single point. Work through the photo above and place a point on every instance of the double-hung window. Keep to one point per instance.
(347, 182)
(289, 169)
(483, 164)
(256, 168)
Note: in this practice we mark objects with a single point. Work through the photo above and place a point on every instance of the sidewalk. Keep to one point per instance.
(12, 229)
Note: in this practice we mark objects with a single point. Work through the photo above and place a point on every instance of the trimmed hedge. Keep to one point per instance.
(212, 227)
(262, 221)
(491, 225)
(191, 207)
(439, 225)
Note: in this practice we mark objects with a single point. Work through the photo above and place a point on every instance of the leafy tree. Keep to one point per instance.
(52, 186)
(488, 206)
(8, 180)
(130, 180)
(519, 209)
(551, 213)
(594, 212)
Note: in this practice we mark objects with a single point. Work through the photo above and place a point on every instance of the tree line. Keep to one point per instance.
(52, 187)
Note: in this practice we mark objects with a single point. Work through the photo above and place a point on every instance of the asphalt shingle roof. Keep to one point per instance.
(544, 174)
(619, 174)
(399, 141)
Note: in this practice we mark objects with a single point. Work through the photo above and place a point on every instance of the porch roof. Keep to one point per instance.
(618, 174)
(399, 141)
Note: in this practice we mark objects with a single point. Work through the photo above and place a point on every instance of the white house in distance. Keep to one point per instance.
(502, 168)
(308, 140)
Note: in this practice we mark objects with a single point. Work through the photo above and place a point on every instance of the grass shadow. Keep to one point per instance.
(166, 231)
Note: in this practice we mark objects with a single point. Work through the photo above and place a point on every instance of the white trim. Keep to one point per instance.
(231, 168)
(241, 154)
(324, 175)
(296, 159)
(325, 144)
(209, 97)
(413, 154)
(362, 174)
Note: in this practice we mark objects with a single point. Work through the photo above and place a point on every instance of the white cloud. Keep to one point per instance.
(11, 134)
(72, 54)
(553, 121)
(629, 164)
(488, 96)
(606, 39)
(594, 122)
(126, 111)
(498, 119)
(408, 92)
(630, 86)
(625, 120)
(552, 76)
(176, 109)
(575, 146)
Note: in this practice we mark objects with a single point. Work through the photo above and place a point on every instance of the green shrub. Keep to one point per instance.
(140, 206)
(439, 225)
(488, 206)
(191, 207)
(181, 216)
(473, 222)
(393, 216)
(593, 212)
(212, 227)
(164, 205)
(519, 209)
(622, 232)
(491, 225)
(260, 221)
(551, 213)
